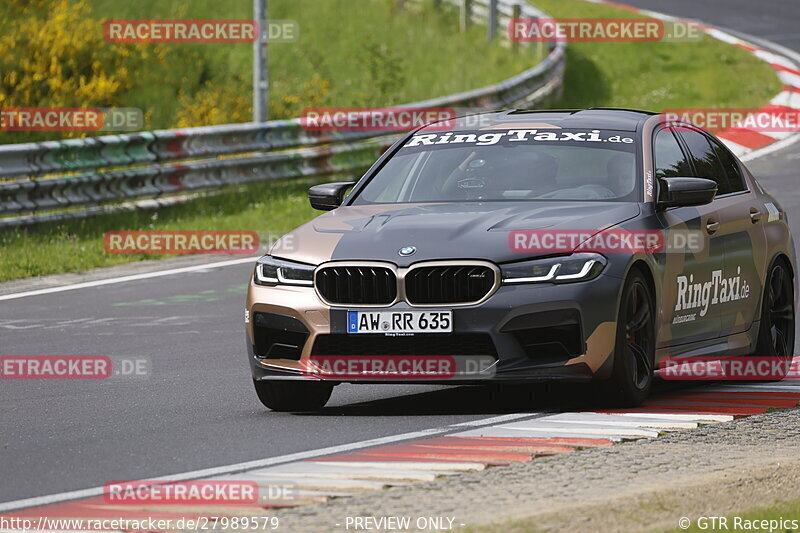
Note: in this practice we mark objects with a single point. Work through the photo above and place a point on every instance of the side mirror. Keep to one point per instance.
(327, 196)
(685, 192)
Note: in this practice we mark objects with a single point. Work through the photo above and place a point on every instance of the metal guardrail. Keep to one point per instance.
(55, 180)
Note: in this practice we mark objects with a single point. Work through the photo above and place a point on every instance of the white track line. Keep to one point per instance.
(250, 465)
(793, 56)
(770, 148)
(133, 277)
(770, 52)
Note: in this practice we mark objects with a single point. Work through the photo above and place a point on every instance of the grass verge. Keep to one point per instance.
(348, 53)
(643, 75)
(658, 76)
(77, 245)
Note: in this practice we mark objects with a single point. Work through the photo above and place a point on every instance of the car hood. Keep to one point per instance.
(439, 231)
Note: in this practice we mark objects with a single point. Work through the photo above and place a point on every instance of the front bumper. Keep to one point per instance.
(536, 332)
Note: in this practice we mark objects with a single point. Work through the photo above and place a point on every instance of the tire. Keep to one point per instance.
(776, 331)
(293, 395)
(634, 353)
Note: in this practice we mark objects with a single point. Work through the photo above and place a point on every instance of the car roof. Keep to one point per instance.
(603, 118)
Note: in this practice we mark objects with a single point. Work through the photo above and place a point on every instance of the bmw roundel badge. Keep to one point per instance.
(405, 251)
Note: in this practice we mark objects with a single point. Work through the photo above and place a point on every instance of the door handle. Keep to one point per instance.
(711, 226)
(755, 215)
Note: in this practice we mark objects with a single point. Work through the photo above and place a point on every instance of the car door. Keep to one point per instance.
(687, 315)
(735, 290)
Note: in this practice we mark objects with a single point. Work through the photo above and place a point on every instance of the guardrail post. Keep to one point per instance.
(260, 73)
(466, 14)
(491, 22)
(516, 13)
(539, 45)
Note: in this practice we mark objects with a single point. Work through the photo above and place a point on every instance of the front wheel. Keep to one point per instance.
(634, 352)
(293, 395)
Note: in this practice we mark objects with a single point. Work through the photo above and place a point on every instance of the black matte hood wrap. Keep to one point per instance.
(468, 230)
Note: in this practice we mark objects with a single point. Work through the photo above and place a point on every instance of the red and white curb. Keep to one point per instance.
(746, 143)
(464, 447)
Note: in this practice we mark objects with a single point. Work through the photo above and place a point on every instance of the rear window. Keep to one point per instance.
(509, 165)
(732, 172)
(706, 163)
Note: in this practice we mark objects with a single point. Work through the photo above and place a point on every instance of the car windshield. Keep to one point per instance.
(509, 165)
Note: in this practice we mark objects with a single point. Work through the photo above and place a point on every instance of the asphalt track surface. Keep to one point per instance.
(197, 408)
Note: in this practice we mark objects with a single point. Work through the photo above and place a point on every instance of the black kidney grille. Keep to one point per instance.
(448, 284)
(357, 284)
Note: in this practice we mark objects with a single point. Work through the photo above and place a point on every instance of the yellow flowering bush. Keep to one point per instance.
(54, 55)
(314, 93)
(222, 104)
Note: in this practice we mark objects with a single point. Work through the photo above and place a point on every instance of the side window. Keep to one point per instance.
(670, 161)
(706, 163)
(732, 171)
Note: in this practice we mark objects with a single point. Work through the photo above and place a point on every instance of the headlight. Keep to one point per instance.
(567, 269)
(272, 271)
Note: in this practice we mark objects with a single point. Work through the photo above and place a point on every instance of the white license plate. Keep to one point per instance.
(399, 321)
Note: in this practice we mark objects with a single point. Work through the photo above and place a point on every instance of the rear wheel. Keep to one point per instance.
(293, 395)
(634, 354)
(776, 331)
